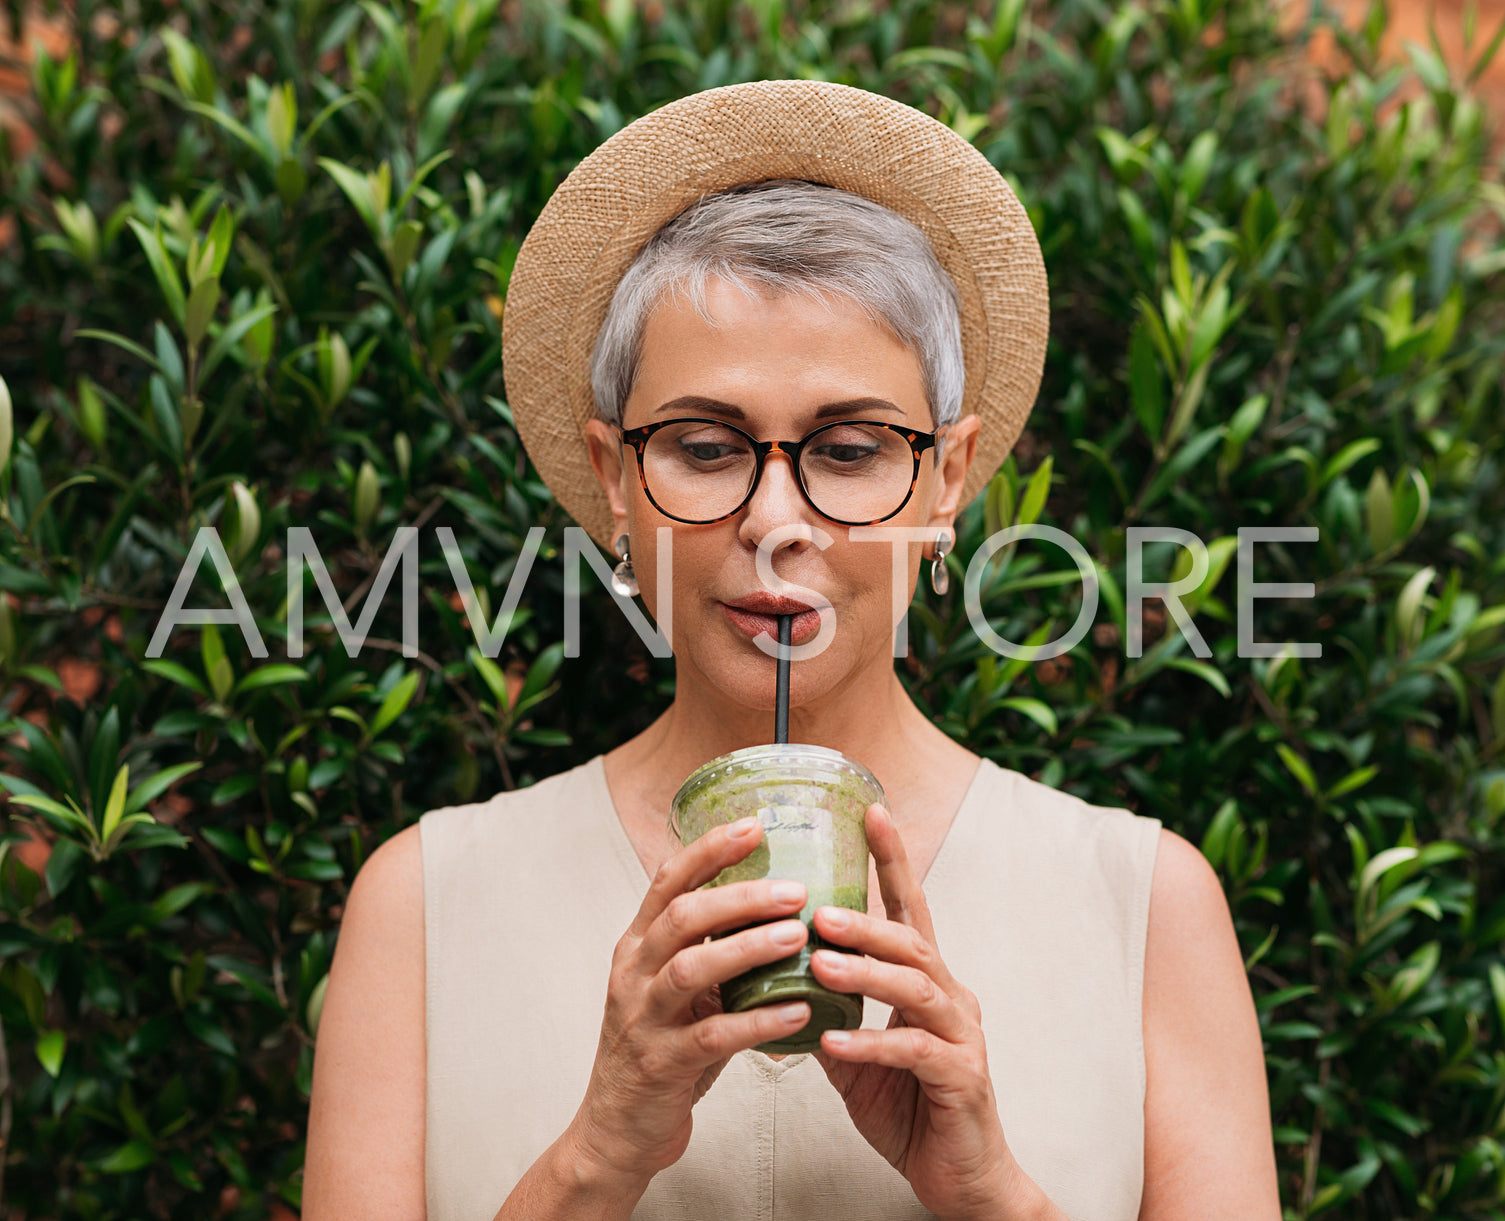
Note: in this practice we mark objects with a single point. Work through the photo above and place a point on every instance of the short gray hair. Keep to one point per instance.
(786, 236)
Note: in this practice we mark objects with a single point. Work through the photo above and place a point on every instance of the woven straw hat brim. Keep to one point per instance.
(620, 195)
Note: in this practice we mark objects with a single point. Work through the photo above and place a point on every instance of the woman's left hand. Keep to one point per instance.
(920, 1091)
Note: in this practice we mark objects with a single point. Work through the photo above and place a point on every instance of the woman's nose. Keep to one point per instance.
(777, 501)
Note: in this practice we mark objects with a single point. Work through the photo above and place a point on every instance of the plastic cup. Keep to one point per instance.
(811, 801)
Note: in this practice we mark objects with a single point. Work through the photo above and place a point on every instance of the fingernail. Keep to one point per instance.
(791, 1013)
(836, 917)
(832, 960)
(786, 892)
(743, 826)
(787, 933)
(840, 1037)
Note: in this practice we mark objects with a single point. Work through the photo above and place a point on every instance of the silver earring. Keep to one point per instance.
(622, 578)
(940, 578)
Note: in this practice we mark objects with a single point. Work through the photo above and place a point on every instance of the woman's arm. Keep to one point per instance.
(1208, 1148)
(366, 1114)
(657, 1056)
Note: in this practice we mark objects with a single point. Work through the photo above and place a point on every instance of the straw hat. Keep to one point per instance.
(621, 195)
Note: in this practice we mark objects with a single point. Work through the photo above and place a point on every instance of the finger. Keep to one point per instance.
(696, 968)
(933, 1061)
(886, 939)
(715, 1038)
(923, 1002)
(694, 865)
(691, 917)
(903, 900)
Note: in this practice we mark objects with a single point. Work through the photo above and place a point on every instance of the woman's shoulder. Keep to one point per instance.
(1039, 803)
(1058, 838)
(550, 791)
(542, 820)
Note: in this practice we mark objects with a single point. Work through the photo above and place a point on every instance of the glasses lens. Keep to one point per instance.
(698, 471)
(857, 472)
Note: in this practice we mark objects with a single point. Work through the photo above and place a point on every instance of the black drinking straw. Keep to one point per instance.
(781, 684)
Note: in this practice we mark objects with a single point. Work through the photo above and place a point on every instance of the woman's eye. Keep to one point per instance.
(705, 451)
(846, 454)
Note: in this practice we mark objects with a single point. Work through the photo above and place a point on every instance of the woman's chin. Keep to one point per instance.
(746, 679)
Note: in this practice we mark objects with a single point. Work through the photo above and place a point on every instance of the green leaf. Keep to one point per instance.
(403, 246)
(1381, 864)
(1409, 504)
(282, 116)
(1146, 390)
(64, 863)
(1497, 987)
(395, 703)
(162, 268)
(1208, 674)
(202, 302)
(66, 817)
(234, 128)
(1196, 166)
(1035, 493)
(1262, 949)
(133, 1156)
(1137, 221)
(269, 676)
(1408, 604)
(51, 1044)
(366, 499)
(179, 897)
(1379, 512)
(173, 672)
(7, 424)
(1219, 553)
(490, 673)
(120, 341)
(1497, 706)
(1354, 780)
(426, 60)
(1187, 402)
(238, 327)
(1107, 465)
(123, 832)
(358, 190)
(1180, 463)
(1347, 456)
(315, 1006)
(1215, 839)
(1298, 767)
(1041, 713)
(115, 807)
(209, 1033)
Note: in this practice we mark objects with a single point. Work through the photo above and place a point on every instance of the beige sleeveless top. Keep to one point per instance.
(1040, 904)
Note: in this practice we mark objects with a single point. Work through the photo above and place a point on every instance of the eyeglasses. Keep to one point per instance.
(853, 472)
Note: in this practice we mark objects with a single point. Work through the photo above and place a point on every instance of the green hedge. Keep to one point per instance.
(255, 281)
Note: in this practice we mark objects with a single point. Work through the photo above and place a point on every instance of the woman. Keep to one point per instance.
(522, 1019)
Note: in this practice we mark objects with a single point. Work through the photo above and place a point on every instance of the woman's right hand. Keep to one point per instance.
(664, 1038)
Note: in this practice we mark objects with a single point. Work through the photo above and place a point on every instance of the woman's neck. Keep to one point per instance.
(879, 727)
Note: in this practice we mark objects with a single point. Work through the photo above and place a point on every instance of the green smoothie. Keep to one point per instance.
(811, 801)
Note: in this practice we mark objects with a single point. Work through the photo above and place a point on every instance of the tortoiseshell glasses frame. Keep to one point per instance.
(918, 442)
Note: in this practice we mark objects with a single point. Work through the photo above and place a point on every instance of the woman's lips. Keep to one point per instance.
(802, 626)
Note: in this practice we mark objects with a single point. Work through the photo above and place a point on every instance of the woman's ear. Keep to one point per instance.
(605, 450)
(956, 460)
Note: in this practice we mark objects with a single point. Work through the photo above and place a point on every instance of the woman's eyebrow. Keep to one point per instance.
(848, 406)
(697, 402)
